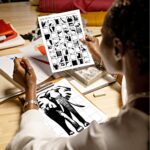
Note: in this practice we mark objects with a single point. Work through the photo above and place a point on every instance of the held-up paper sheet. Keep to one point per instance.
(61, 35)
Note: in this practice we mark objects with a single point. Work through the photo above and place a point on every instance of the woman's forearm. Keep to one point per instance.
(31, 93)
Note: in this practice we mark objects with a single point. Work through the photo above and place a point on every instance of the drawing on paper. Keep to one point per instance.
(61, 34)
(66, 110)
(87, 75)
(55, 103)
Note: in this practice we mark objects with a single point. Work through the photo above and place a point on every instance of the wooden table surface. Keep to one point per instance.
(23, 16)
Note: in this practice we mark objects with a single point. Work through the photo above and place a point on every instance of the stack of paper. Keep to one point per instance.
(9, 36)
(87, 75)
(12, 43)
(102, 82)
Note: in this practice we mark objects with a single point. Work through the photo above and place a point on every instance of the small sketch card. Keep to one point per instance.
(61, 35)
(66, 110)
(87, 75)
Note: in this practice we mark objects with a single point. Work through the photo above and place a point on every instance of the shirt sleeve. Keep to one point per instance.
(33, 132)
(126, 128)
(35, 135)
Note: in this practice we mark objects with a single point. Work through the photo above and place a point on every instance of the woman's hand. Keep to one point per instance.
(25, 75)
(93, 45)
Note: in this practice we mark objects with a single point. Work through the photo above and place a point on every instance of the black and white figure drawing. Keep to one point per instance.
(61, 32)
(60, 109)
(67, 108)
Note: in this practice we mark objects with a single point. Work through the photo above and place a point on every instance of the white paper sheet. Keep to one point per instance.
(62, 102)
(61, 35)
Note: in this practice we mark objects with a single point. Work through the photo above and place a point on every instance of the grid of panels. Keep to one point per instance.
(61, 34)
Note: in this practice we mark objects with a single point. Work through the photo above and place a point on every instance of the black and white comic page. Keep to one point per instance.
(61, 34)
(65, 110)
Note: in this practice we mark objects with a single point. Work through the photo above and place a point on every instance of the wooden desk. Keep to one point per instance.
(24, 17)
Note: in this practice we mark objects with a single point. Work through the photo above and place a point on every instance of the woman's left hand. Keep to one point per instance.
(93, 45)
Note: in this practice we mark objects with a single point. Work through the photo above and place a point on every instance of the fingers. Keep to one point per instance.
(30, 74)
(27, 65)
(84, 41)
(17, 65)
(88, 39)
(23, 65)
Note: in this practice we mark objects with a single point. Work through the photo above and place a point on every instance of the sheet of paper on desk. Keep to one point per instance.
(41, 69)
(34, 50)
(61, 35)
(67, 111)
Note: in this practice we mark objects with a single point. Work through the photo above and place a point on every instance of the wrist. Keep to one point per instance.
(30, 104)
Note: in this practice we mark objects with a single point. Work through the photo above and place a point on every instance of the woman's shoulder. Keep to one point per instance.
(130, 126)
(131, 115)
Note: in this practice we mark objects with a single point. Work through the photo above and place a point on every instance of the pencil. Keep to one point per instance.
(97, 35)
(42, 61)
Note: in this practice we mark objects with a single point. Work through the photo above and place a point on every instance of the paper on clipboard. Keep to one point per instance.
(41, 69)
(6, 70)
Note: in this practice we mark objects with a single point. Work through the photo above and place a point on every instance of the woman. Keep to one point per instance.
(124, 49)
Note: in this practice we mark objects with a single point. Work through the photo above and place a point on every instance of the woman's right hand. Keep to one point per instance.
(25, 76)
(93, 45)
(24, 73)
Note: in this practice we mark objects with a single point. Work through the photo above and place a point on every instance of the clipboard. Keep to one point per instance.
(11, 89)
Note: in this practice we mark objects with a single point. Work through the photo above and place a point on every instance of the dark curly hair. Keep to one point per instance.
(129, 21)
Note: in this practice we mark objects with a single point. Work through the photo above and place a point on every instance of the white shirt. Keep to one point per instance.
(128, 131)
